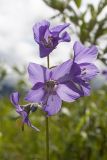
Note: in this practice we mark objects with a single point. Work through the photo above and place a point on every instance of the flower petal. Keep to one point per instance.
(14, 97)
(75, 70)
(37, 73)
(88, 71)
(84, 54)
(86, 88)
(64, 37)
(26, 120)
(35, 95)
(45, 51)
(24, 115)
(60, 72)
(38, 85)
(57, 29)
(39, 30)
(68, 92)
(53, 104)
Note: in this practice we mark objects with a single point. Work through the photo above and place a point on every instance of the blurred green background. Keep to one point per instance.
(79, 131)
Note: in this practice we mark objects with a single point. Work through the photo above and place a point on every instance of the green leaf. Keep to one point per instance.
(92, 10)
(56, 4)
(78, 3)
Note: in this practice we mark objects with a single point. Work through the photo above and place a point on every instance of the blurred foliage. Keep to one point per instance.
(78, 132)
(2, 73)
(57, 4)
(89, 25)
(6, 86)
(21, 83)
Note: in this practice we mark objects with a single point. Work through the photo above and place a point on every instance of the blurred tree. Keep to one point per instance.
(89, 25)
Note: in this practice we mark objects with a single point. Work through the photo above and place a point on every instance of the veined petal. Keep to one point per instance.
(60, 72)
(57, 29)
(38, 86)
(45, 51)
(88, 71)
(24, 115)
(68, 92)
(84, 54)
(39, 30)
(86, 88)
(27, 121)
(75, 70)
(53, 105)
(37, 73)
(14, 97)
(35, 95)
(64, 37)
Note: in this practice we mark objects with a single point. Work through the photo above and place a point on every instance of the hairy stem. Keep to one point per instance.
(47, 127)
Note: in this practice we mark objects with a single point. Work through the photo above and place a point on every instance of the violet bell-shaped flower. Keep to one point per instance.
(51, 86)
(23, 110)
(49, 37)
(83, 67)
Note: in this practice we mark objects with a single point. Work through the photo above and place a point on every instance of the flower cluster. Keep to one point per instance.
(65, 82)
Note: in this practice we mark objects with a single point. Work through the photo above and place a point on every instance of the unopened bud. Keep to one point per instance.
(34, 107)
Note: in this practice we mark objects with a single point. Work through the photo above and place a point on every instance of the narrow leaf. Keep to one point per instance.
(78, 3)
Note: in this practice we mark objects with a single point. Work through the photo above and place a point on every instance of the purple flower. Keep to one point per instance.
(83, 68)
(104, 73)
(51, 86)
(23, 111)
(48, 38)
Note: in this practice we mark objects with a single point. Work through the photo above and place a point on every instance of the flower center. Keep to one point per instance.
(50, 86)
(83, 71)
(48, 43)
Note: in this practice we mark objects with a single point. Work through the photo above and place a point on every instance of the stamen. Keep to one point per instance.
(83, 71)
(34, 107)
(50, 85)
(48, 43)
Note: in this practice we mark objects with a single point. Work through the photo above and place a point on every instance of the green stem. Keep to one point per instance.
(47, 127)
(47, 139)
(48, 62)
